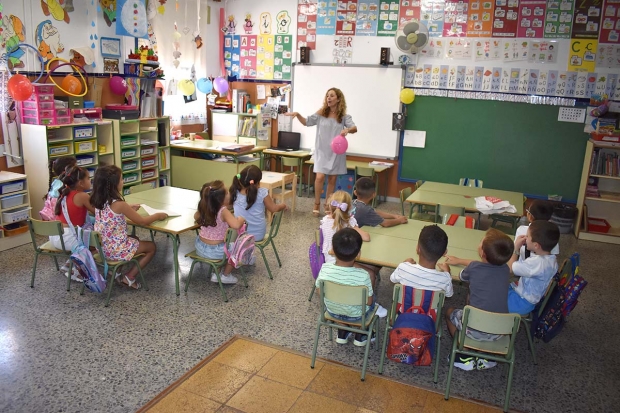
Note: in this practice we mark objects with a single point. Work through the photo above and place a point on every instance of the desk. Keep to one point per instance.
(434, 193)
(183, 201)
(299, 155)
(192, 173)
(272, 180)
(351, 165)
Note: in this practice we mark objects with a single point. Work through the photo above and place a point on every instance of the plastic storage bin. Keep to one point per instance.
(63, 120)
(129, 141)
(85, 146)
(128, 153)
(83, 160)
(33, 104)
(14, 229)
(147, 162)
(598, 225)
(37, 120)
(84, 132)
(151, 173)
(129, 166)
(16, 216)
(147, 150)
(43, 88)
(9, 187)
(11, 201)
(60, 149)
(131, 177)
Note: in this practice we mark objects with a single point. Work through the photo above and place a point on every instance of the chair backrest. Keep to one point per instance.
(139, 188)
(449, 210)
(436, 303)
(492, 323)
(458, 221)
(473, 182)
(290, 162)
(344, 294)
(418, 184)
(365, 171)
(404, 194)
(45, 229)
(275, 224)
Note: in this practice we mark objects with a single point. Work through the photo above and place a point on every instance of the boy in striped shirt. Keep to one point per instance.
(432, 245)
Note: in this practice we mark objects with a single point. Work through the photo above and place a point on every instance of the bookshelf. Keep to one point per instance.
(14, 210)
(599, 193)
(243, 128)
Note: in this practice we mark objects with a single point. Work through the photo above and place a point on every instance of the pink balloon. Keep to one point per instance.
(339, 145)
(118, 85)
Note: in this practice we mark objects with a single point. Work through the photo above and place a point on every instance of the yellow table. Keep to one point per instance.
(300, 155)
(182, 201)
(351, 165)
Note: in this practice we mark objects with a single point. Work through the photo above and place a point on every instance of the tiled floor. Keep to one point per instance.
(248, 376)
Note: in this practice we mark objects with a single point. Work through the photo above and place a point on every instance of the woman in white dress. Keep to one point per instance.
(331, 120)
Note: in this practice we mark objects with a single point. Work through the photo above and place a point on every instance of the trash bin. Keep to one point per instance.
(564, 217)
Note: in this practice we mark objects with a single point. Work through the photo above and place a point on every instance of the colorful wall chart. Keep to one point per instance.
(367, 17)
(247, 69)
(587, 19)
(432, 15)
(346, 17)
(283, 57)
(543, 51)
(326, 18)
(265, 57)
(306, 24)
(480, 22)
(455, 18)
(388, 18)
(610, 25)
(232, 54)
(608, 56)
(559, 19)
(409, 9)
(506, 17)
(532, 18)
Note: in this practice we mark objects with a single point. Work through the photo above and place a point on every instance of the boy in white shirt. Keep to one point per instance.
(539, 210)
(432, 245)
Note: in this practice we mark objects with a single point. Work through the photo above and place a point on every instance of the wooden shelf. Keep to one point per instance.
(605, 176)
(606, 196)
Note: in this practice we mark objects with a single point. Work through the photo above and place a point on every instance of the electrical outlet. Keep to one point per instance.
(574, 115)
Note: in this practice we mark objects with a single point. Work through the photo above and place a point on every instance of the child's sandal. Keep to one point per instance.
(131, 283)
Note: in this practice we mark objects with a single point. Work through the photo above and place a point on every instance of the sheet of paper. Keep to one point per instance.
(260, 92)
(152, 211)
(414, 138)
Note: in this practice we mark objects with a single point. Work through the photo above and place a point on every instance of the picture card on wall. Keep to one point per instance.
(367, 16)
(505, 18)
(131, 18)
(610, 24)
(543, 51)
(388, 17)
(559, 19)
(586, 19)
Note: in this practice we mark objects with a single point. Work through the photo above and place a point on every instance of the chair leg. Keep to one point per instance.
(146, 286)
(368, 340)
(450, 368)
(111, 284)
(245, 279)
(69, 275)
(275, 251)
(56, 262)
(34, 269)
(437, 357)
(508, 386)
(530, 340)
(386, 338)
(219, 281)
(152, 235)
(316, 342)
(189, 276)
(262, 252)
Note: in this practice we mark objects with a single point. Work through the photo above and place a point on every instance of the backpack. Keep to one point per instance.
(47, 213)
(561, 302)
(412, 338)
(242, 249)
(84, 262)
(316, 257)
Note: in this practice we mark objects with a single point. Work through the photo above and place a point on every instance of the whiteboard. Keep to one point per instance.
(372, 95)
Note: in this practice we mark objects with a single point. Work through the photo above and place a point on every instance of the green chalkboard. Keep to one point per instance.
(510, 146)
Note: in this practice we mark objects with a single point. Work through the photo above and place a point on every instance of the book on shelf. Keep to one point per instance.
(605, 162)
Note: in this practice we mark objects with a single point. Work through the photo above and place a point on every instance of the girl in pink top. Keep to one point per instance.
(214, 219)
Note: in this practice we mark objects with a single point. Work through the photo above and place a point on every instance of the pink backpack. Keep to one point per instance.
(47, 213)
(242, 249)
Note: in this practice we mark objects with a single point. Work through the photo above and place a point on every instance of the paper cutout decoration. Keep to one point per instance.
(248, 25)
(82, 56)
(284, 21)
(56, 10)
(108, 8)
(132, 21)
(230, 26)
(13, 32)
(47, 39)
(265, 23)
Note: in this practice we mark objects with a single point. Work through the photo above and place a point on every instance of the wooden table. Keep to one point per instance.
(436, 193)
(300, 155)
(351, 165)
(272, 180)
(182, 201)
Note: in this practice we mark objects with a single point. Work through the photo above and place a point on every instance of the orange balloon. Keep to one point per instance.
(20, 87)
(71, 84)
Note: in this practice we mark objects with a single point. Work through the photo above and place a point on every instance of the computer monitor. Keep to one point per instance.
(289, 140)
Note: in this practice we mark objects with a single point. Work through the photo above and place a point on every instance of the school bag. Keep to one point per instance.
(561, 303)
(49, 206)
(316, 257)
(242, 249)
(82, 258)
(412, 338)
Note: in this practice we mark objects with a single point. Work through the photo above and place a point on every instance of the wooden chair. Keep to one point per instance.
(370, 173)
(46, 229)
(268, 240)
(281, 193)
(436, 304)
(501, 350)
(348, 295)
(420, 216)
(215, 265)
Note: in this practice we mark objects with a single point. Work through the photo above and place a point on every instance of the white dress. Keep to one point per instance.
(325, 160)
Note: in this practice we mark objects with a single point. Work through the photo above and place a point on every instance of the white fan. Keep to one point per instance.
(411, 36)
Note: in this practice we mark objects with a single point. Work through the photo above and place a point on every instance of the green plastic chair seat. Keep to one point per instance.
(46, 229)
(50, 248)
(353, 323)
(500, 346)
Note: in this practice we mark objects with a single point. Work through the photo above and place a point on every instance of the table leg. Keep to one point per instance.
(385, 190)
(175, 249)
(300, 165)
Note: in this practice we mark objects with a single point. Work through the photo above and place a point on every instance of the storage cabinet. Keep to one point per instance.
(243, 128)
(599, 193)
(14, 210)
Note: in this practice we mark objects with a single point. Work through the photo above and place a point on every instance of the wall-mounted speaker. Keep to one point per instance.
(304, 55)
(385, 56)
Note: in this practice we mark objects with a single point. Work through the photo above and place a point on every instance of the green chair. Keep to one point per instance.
(268, 240)
(526, 319)
(425, 209)
(215, 265)
(512, 220)
(436, 304)
(501, 350)
(420, 216)
(348, 295)
(317, 243)
(444, 212)
(471, 182)
(286, 161)
(134, 190)
(370, 173)
(46, 229)
(113, 266)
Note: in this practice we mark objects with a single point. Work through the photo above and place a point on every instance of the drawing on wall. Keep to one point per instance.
(230, 25)
(110, 65)
(47, 39)
(13, 32)
(132, 20)
(265, 23)
(56, 9)
(248, 25)
(284, 21)
(110, 47)
(108, 8)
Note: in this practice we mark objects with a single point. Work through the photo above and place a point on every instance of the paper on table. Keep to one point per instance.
(152, 211)
(260, 92)
(414, 138)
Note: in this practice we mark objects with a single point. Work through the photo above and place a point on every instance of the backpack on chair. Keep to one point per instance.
(242, 249)
(85, 264)
(316, 257)
(412, 338)
(49, 206)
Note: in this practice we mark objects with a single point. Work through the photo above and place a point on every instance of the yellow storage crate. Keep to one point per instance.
(85, 146)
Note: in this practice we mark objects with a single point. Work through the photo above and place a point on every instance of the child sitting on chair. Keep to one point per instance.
(539, 210)
(488, 290)
(346, 245)
(363, 211)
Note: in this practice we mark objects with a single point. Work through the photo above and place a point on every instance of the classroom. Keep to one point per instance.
(142, 141)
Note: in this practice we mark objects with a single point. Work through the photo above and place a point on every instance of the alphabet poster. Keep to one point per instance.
(480, 18)
(532, 21)
(264, 57)
(346, 17)
(610, 25)
(231, 54)
(455, 18)
(343, 50)
(306, 24)
(587, 19)
(367, 15)
(432, 15)
(505, 20)
(326, 17)
(247, 69)
(582, 55)
(283, 57)
(558, 19)
(388, 18)
(409, 9)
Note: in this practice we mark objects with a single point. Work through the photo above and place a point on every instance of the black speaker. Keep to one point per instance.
(398, 121)
(304, 55)
(385, 56)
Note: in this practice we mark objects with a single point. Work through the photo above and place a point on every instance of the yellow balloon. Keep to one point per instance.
(186, 87)
(407, 96)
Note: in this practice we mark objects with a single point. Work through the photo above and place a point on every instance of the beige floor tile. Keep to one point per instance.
(290, 369)
(246, 355)
(435, 403)
(389, 396)
(312, 402)
(228, 409)
(181, 401)
(260, 395)
(216, 381)
(341, 383)
(362, 410)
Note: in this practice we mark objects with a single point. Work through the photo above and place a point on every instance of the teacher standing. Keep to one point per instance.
(331, 120)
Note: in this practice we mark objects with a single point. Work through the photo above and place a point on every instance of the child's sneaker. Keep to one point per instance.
(381, 312)
(466, 363)
(485, 364)
(75, 275)
(65, 267)
(226, 279)
(360, 339)
(343, 336)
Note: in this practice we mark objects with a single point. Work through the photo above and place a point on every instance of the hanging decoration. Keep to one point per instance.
(176, 53)
(247, 27)
(133, 19)
(502, 97)
(80, 71)
(197, 38)
(12, 32)
(161, 9)
(20, 87)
